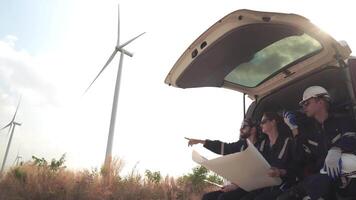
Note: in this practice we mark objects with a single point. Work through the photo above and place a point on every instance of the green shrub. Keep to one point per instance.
(54, 166)
(154, 177)
(19, 174)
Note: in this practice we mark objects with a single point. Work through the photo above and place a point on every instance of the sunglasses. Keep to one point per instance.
(307, 102)
(244, 126)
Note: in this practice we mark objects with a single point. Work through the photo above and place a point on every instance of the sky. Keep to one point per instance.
(50, 51)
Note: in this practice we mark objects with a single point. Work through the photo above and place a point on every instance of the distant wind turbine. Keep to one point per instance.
(11, 127)
(118, 48)
(18, 159)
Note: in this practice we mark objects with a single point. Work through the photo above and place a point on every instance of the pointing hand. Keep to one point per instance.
(192, 141)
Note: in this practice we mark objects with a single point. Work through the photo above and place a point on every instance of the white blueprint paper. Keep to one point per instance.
(248, 169)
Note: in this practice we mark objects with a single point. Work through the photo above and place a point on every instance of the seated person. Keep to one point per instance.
(323, 147)
(278, 153)
(249, 131)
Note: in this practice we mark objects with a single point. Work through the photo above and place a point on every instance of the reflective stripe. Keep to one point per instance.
(262, 145)
(242, 147)
(222, 148)
(282, 187)
(351, 174)
(313, 143)
(306, 149)
(283, 149)
(350, 134)
(336, 138)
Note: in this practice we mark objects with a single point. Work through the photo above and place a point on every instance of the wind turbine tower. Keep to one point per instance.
(118, 48)
(11, 127)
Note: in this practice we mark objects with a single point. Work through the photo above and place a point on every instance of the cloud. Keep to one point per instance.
(10, 40)
(19, 75)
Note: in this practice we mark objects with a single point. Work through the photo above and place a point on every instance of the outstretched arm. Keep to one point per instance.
(192, 141)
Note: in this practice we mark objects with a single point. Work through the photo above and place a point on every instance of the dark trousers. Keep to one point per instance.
(269, 193)
(349, 192)
(219, 195)
(319, 186)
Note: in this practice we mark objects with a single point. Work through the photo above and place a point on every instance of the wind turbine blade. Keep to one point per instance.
(13, 119)
(106, 64)
(118, 25)
(6, 126)
(11, 127)
(128, 42)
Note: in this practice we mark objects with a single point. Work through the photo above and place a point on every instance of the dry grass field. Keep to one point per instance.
(40, 180)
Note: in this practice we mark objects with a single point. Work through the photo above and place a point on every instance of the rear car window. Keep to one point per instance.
(271, 59)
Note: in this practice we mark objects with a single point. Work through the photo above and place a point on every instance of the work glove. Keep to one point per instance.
(333, 162)
(290, 119)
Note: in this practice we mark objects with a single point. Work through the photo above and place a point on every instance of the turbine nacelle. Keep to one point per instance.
(123, 51)
(16, 123)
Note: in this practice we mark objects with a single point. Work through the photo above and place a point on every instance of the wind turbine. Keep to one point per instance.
(118, 47)
(11, 126)
(18, 159)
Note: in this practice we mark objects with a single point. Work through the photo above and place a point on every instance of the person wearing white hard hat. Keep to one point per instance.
(325, 145)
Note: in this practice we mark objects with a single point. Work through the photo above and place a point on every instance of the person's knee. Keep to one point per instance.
(211, 195)
(260, 198)
(225, 196)
(221, 197)
(232, 195)
(205, 197)
(293, 193)
(248, 197)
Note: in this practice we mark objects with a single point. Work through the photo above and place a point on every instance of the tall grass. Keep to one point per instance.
(34, 181)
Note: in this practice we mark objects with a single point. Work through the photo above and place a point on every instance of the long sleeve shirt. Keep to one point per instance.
(313, 143)
(223, 148)
(279, 155)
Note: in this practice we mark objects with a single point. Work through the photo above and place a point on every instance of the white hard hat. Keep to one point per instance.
(314, 91)
(348, 165)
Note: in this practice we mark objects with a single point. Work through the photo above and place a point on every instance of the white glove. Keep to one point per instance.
(333, 162)
(290, 119)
